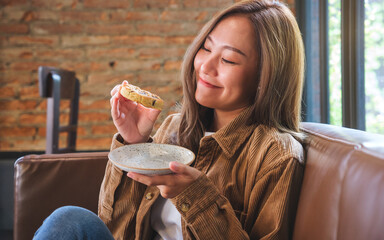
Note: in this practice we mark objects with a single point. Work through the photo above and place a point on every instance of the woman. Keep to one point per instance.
(242, 81)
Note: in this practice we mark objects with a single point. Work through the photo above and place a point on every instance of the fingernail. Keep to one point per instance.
(174, 165)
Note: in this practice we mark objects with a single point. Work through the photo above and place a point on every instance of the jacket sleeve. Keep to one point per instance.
(119, 199)
(271, 207)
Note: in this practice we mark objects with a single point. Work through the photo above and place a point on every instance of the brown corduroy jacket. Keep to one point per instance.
(248, 189)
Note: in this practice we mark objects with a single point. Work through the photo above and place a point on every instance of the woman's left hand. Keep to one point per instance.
(170, 185)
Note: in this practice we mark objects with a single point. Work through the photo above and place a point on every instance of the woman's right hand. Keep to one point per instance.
(133, 121)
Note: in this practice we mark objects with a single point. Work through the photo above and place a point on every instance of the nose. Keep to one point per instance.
(209, 65)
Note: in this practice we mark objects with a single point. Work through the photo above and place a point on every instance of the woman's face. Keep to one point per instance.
(226, 65)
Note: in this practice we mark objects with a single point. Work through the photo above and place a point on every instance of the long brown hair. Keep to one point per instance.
(280, 68)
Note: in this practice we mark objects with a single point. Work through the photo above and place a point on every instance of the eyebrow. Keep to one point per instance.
(229, 47)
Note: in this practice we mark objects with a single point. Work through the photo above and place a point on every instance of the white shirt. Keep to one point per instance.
(166, 220)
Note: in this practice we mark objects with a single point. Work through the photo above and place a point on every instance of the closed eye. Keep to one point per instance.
(205, 49)
(227, 61)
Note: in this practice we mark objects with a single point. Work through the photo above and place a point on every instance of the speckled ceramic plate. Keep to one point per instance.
(149, 158)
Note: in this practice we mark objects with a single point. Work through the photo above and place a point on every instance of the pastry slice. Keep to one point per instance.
(141, 96)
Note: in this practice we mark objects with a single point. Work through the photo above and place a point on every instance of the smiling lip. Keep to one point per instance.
(207, 84)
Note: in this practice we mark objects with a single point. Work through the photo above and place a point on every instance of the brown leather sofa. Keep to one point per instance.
(342, 195)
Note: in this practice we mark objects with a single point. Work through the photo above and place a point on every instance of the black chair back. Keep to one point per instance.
(56, 84)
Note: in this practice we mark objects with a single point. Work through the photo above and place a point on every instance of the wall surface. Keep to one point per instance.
(104, 42)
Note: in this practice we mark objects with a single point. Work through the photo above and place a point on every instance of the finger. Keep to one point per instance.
(152, 113)
(115, 89)
(125, 83)
(154, 180)
(115, 107)
(184, 169)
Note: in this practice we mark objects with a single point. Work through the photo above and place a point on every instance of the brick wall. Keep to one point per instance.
(104, 42)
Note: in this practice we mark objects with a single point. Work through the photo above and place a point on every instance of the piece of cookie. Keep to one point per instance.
(141, 96)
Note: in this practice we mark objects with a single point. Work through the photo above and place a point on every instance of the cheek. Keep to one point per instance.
(243, 83)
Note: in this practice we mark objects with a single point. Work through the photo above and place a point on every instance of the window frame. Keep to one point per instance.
(312, 17)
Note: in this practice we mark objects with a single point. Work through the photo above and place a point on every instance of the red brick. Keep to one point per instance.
(5, 145)
(94, 104)
(215, 3)
(13, 105)
(16, 53)
(64, 119)
(14, 28)
(91, 90)
(4, 3)
(191, 3)
(111, 53)
(41, 131)
(184, 16)
(81, 131)
(34, 40)
(30, 66)
(7, 92)
(106, 4)
(109, 78)
(32, 15)
(29, 119)
(181, 40)
(27, 92)
(6, 119)
(93, 143)
(172, 65)
(54, 54)
(11, 76)
(58, 4)
(148, 53)
(45, 28)
(93, 117)
(164, 78)
(27, 16)
(17, 131)
(110, 29)
(76, 41)
(33, 145)
(104, 130)
(138, 65)
(4, 41)
(148, 4)
(138, 40)
(167, 28)
(85, 66)
(175, 88)
(83, 16)
(134, 16)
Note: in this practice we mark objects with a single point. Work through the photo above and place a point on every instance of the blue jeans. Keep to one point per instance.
(72, 222)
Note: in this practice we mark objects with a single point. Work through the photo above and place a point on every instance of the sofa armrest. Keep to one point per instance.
(46, 182)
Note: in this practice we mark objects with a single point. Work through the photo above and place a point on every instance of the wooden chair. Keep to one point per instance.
(56, 84)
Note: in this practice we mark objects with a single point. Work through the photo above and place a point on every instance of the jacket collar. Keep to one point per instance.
(232, 136)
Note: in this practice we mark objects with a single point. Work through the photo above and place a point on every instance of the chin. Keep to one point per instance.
(206, 103)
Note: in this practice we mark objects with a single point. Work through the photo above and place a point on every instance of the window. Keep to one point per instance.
(374, 65)
(344, 42)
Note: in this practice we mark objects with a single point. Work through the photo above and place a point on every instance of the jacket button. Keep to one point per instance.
(149, 196)
(185, 207)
